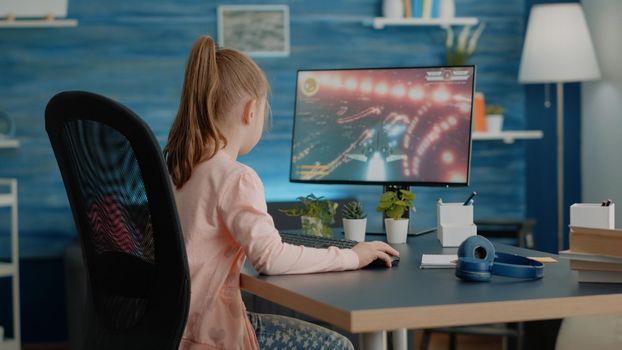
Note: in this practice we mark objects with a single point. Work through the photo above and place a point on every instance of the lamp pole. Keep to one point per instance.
(560, 166)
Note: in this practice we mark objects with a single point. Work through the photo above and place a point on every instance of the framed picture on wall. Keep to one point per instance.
(257, 30)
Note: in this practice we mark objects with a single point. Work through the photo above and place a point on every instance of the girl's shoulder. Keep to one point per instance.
(222, 166)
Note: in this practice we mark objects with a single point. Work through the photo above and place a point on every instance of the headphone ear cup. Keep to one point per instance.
(475, 257)
(471, 269)
(477, 247)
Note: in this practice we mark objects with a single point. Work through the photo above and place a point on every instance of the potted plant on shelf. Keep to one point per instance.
(458, 52)
(394, 205)
(494, 118)
(315, 215)
(354, 221)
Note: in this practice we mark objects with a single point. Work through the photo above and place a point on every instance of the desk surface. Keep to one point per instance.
(409, 297)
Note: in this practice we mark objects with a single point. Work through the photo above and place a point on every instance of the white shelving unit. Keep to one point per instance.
(38, 23)
(508, 136)
(381, 22)
(11, 269)
(8, 143)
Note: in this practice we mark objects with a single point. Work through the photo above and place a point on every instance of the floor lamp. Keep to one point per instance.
(558, 49)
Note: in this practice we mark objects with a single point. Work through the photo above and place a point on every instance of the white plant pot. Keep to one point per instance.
(354, 229)
(397, 230)
(393, 8)
(494, 123)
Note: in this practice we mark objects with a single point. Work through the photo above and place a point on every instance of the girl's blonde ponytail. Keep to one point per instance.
(214, 81)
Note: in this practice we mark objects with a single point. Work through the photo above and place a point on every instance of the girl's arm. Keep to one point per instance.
(244, 212)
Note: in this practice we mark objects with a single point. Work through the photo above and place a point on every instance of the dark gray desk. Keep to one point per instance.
(368, 301)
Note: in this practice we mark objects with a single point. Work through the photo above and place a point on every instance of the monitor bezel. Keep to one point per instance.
(402, 183)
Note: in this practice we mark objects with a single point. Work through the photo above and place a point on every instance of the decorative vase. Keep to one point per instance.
(393, 8)
(354, 229)
(494, 123)
(397, 230)
(447, 9)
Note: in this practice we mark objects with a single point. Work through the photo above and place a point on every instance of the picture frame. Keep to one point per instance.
(256, 30)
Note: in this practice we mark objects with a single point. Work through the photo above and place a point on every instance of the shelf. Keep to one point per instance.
(508, 136)
(11, 268)
(6, 269)
(381, 22)
(8, 143)
(38, 23)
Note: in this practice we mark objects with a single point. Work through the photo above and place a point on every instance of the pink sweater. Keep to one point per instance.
(224, 218)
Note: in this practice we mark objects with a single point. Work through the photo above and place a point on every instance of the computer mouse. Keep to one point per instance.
(380, 263)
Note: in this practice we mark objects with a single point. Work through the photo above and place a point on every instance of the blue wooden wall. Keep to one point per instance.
(135, 51)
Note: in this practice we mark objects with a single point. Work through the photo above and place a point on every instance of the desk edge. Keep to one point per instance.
(481, 313)
(418, 317)
(324, 312)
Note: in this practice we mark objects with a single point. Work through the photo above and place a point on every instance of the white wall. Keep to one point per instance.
(601, 115)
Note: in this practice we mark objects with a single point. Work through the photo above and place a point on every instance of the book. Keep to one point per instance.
(408, 11)
(600, 276)
(438, 261)
(594, 266)
(590, 257)
(426, 9)
(436, 8)
(417, 7)
(598, 241)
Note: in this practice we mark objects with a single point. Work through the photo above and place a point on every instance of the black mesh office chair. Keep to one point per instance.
(118, 187)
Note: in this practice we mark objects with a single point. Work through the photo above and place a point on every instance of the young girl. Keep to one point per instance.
(223, 212)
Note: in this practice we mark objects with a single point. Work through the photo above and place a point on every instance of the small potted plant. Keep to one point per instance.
(394, 205)
(458, 52)
(354, 221)
(494, 118)
(315, 216)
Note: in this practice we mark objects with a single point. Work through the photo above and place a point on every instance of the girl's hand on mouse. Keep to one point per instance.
(370, 251)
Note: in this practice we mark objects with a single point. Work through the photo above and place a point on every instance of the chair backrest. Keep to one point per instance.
(120, 195)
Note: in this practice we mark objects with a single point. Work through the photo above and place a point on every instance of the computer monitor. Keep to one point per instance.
(403, 126)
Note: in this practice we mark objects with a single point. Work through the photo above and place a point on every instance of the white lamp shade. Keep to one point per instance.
(558, 47)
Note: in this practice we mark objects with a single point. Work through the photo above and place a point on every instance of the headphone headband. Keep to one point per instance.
(478, 261)
(517, 266)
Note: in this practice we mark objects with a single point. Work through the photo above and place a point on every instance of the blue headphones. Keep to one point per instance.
(478, 261)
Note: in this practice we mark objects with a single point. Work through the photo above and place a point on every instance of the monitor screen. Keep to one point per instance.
(383, 125)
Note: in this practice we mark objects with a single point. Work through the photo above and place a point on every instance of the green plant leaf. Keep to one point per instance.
(389, 195)
(395, 212)
(292, 211)
(385, 205)
(407, 195)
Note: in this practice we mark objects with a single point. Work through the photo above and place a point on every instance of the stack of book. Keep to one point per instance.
(596, 254)
(422, 8)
